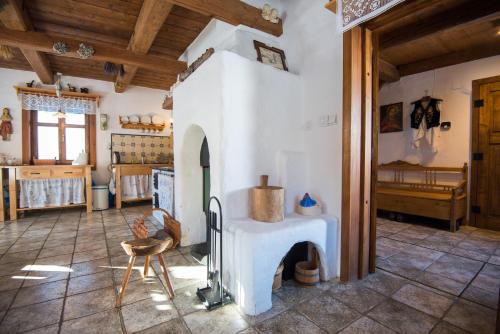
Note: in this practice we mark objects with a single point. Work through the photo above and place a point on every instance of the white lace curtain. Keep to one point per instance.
(49, 103)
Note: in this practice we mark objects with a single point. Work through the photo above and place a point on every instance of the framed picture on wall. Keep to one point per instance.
(269, 55)
(391, 118)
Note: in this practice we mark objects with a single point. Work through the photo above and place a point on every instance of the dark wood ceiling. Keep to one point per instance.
(146, 36)
(111, 22)
(421, 35)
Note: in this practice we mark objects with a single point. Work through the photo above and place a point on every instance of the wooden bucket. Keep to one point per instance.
(267, 203)
(307, 272)
(278, 278)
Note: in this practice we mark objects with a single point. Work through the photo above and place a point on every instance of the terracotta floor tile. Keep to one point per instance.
(445, 328)
(357, 296)
(402, 318)
(40, 293)
(104, 322)
(90, 282)
(384, 282)
(290, 322)
(366, 325)
(32, 316)
(328, 313)
(89, 303)
(471, 317)
(423, 300)
(456, 267)
(147, 313)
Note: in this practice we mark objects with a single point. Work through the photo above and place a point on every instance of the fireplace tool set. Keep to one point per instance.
(214, 294)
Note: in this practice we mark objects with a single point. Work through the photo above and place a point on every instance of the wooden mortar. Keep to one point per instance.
(267, 203)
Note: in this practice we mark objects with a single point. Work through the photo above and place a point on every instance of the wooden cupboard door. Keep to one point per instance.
(487, 187)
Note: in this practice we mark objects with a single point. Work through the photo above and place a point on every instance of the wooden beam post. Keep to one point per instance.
(366, 154)
(234, 12)
(374, 153)
(151, 18)
(13, 17)
(387, 71)
(42, 42)
(356, 225)
(351, 157)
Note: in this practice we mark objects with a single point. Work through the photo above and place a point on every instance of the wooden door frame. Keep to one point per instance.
(476, 95)
(359, 153)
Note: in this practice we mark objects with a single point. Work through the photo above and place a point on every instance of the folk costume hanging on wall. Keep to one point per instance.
(425, 118)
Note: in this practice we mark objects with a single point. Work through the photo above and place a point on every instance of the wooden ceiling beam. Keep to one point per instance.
(42, 42)
(453, 58)
(234, 12)
(151, 18)
(461, 15)
(13, 17)
(387, 71)
(400, 11)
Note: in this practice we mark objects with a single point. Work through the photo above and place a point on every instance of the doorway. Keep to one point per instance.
(485, 174)
(200, 251)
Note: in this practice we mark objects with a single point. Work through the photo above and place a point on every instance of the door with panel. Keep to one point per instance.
(485, 189)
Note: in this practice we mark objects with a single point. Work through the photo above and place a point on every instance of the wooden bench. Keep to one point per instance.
(415, 189)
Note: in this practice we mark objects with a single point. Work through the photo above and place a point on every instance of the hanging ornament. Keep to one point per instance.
(110, 68)
(6, 52)
(85, 51)
(60, 48)
(121, 71)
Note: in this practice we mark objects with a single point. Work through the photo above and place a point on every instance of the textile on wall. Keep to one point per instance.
(355, 12)
(49, 103)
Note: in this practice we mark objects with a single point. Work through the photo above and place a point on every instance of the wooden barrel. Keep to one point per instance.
(306, 273)
(278, 278)
(267, 203)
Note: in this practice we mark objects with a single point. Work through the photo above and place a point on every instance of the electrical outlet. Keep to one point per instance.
(333, 119)
(323, 120)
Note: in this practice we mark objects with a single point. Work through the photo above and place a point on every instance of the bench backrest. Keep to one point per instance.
(429, 176)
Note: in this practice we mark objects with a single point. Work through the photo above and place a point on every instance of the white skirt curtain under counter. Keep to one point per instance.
(54, 192)
(133, 186)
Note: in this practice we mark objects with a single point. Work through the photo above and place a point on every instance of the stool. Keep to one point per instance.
(145, 247)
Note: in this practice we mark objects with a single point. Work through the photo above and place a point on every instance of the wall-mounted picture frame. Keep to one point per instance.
(391, 118)
(270, 55)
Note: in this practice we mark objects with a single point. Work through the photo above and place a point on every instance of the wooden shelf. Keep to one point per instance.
(140, 126)
(52, 92)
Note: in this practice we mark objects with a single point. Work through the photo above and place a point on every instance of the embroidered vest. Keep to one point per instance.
(430, 113)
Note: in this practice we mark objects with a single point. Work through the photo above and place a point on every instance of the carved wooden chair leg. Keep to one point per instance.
(165, 274)
(146, 266)
(121, 293)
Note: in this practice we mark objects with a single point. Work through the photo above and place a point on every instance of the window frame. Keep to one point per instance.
(30, 134)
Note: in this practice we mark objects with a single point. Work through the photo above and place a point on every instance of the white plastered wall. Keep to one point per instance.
(250, 114)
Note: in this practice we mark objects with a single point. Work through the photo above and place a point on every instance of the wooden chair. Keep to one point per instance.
(165, 239)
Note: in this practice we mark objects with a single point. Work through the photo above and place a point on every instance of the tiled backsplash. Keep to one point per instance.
(154, 149)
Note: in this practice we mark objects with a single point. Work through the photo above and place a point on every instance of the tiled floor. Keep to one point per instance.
(59, 273)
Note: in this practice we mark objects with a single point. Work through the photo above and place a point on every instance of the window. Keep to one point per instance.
(61, 139)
